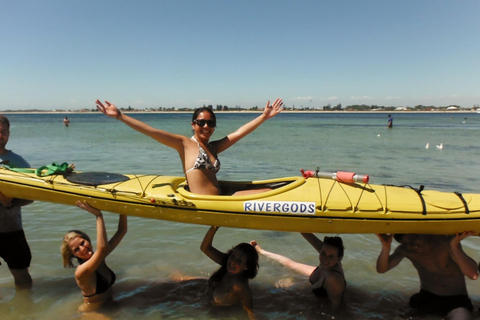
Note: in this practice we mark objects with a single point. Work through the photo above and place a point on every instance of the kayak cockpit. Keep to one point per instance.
(228, 188)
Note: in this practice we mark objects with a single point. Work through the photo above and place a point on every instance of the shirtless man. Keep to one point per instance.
(442, 266)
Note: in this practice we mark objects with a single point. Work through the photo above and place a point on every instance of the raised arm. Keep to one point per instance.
(269, 112)
(385, 261)
(174, 141)
(467, 265)
(118, 236)
(100, 253)
(207, 247)
(314, 241)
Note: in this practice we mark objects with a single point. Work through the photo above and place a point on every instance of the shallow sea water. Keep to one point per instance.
(154, 251)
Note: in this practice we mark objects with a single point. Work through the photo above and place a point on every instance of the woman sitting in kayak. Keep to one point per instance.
(198, 154)
(229, 286)
(328, 279)
(93, 276)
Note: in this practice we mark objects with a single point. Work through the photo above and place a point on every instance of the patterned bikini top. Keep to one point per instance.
(203, 160)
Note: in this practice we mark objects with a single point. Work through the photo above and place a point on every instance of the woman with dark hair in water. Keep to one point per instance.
(229, 285)
(327, 279)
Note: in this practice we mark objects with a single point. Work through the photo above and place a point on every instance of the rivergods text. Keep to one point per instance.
(280, 207)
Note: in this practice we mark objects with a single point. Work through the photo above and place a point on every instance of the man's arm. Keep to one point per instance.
(9, 202)
(467, 265)
(385, 261)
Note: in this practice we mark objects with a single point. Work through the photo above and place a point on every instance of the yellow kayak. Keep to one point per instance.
(300, 204)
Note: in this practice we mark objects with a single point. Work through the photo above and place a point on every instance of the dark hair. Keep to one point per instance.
(335, 242)
(398, 237)
(202, 109)
(252, 263)
(4, 121)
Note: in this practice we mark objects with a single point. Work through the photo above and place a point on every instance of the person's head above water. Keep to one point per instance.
(335, 242)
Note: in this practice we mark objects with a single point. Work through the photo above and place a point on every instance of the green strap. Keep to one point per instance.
(54, 169)
(46, 170)
(23, 170)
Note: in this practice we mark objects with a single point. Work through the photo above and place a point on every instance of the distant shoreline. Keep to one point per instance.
(239, 111)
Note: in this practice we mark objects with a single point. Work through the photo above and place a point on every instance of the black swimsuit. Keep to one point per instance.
(322, 292)
(102, 283)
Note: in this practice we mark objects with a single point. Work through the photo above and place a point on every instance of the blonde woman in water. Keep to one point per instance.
(93, 276)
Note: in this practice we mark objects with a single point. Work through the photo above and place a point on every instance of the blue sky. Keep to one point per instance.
(185, 53)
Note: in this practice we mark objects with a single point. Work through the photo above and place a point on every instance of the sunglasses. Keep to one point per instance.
(202, 123)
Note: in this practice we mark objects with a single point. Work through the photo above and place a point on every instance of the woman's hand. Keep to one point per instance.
(85, 206)
(271, 111)
(109, 109)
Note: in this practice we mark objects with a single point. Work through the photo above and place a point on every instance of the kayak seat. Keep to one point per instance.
(229, 188)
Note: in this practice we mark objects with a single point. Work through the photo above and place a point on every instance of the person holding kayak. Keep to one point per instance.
(327, 279)
(229, 285)
(93, 276)
(442, 266)
(14, 248)
(199, 156)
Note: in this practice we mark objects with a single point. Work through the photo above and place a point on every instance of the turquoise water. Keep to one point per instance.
(154, 250)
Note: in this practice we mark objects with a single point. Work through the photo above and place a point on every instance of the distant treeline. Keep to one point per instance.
(338, 107)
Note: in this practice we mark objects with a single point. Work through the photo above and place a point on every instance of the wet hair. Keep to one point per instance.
(335, 242)
(398, 237)
(252, 263)
(67, 254)
(202, 109)
(4, 120)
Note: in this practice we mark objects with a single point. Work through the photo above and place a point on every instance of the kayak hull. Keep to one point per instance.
(294, 204)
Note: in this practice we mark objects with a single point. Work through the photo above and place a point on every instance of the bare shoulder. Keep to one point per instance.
(334, 277)
(82, 273)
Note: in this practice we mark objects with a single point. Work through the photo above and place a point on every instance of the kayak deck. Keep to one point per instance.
(293, 204)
